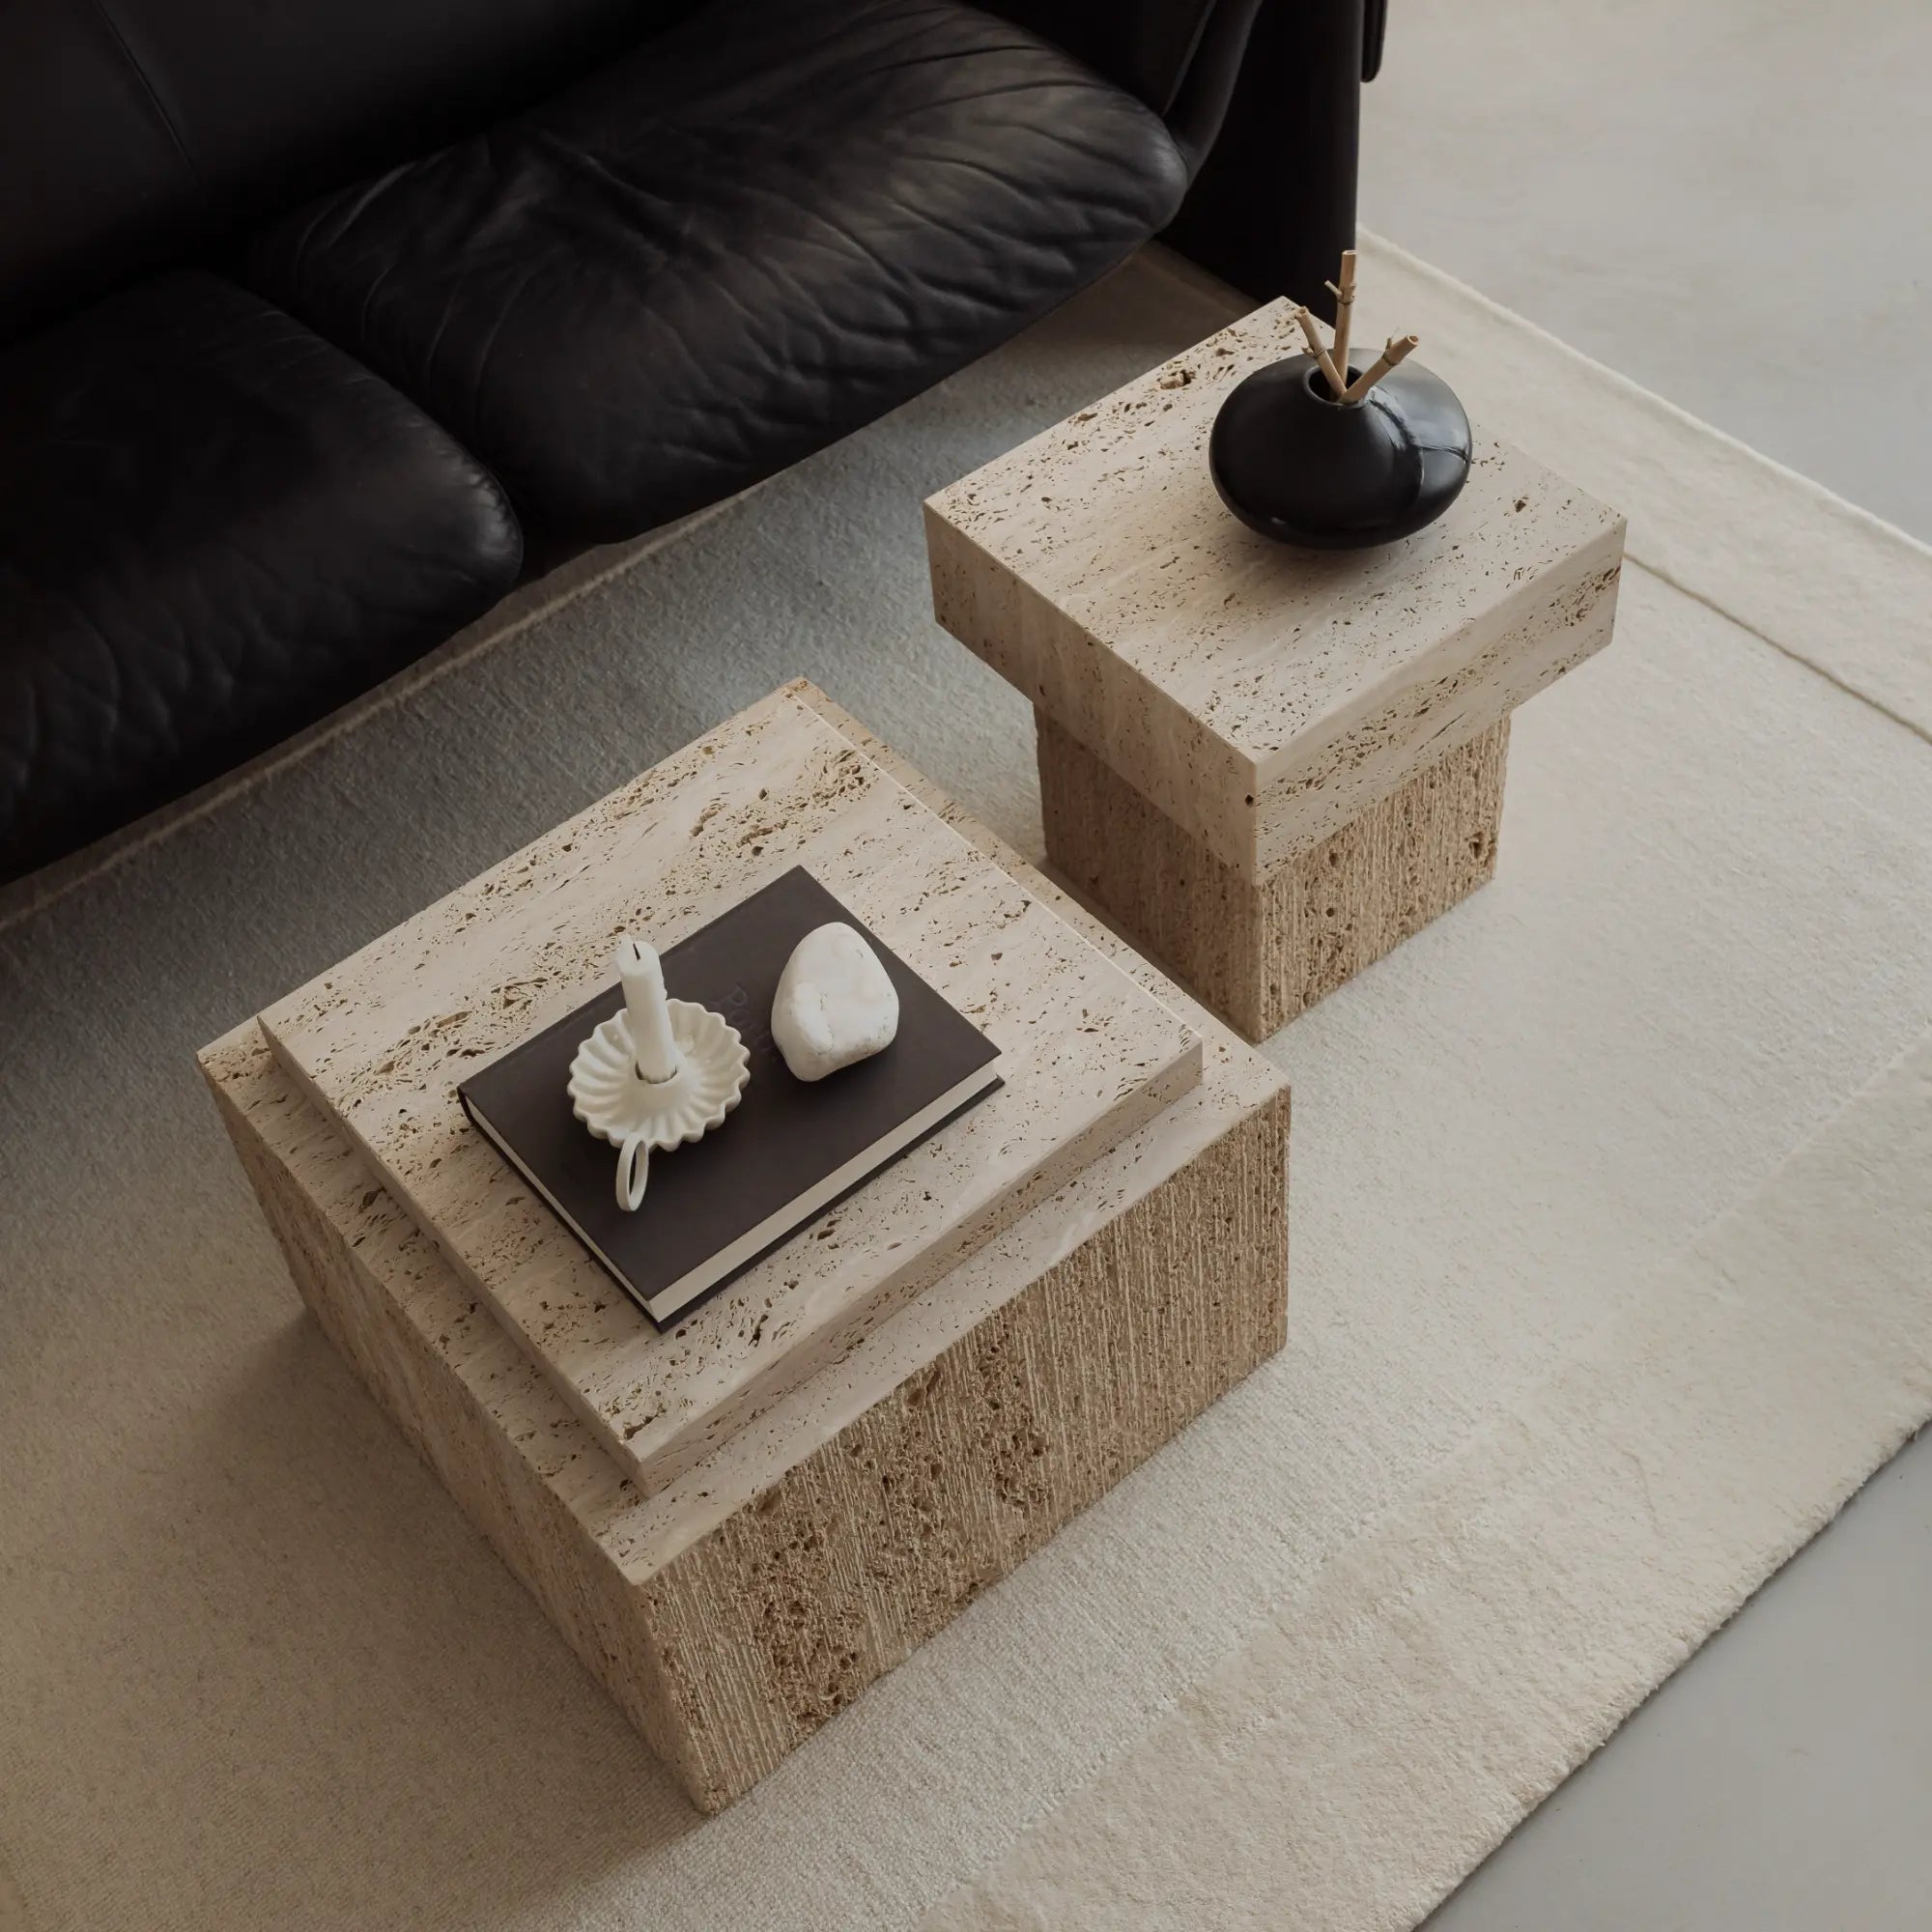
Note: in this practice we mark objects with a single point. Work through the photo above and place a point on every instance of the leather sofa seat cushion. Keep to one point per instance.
(214, 528)
(747, 237)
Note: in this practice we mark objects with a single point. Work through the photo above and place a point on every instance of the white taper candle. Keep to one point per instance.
(651, 1042)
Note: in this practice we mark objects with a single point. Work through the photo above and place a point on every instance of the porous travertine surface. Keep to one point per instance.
(380, 1041)
(754, 1594)
(1261, 955)
(1260, 696)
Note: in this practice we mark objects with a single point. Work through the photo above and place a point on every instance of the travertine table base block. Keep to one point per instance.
(1259, 954)
(735, 1610)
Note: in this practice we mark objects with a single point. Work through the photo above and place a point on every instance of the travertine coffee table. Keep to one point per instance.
(739, 1522)
(1269, 765)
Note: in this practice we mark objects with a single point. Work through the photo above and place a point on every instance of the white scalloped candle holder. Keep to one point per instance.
(640, 1117)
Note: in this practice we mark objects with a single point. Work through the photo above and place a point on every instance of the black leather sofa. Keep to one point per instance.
(324, 324)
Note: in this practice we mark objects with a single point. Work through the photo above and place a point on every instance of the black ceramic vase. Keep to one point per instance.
(1298, 466)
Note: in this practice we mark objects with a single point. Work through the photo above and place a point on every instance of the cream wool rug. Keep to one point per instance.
(1612, 1244)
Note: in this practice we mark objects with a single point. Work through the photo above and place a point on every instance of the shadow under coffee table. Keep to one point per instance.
(739, 1522)
(1271, 766)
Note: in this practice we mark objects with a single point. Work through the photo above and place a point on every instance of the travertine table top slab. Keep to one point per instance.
(638, 1529)
(1228, 676)
(381, 1040)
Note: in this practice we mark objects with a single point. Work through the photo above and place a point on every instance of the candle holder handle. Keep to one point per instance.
(634, 1171)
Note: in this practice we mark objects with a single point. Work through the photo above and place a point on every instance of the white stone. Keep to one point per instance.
(835, 1004)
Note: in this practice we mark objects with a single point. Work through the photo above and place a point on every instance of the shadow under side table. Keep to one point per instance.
(1271, 766)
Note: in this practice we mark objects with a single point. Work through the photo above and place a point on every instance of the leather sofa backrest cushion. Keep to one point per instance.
(135, 130)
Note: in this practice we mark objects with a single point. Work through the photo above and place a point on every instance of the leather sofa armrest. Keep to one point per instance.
(1155, 48)
(1263, 98)
(1374, 31)
(1272, 203)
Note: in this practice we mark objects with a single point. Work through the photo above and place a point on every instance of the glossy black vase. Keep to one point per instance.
(1298, 466)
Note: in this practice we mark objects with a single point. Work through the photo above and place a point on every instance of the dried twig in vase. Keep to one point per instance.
(1344, 292)
(1398, 348)
(1312, 335)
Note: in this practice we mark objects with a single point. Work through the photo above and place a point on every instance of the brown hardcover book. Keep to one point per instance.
(785, 1153)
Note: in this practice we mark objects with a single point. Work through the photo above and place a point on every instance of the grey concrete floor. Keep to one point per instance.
(1728, 202)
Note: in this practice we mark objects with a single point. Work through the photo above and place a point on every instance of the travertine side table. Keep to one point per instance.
(1269, 765)
(739, 1522)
